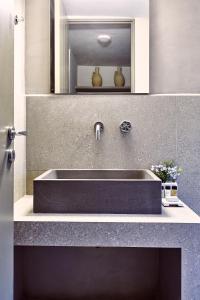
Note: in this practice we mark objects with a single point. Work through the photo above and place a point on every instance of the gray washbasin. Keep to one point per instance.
(97, 191)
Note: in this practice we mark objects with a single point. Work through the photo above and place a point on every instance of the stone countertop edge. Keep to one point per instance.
(176, 227)
(23, 212)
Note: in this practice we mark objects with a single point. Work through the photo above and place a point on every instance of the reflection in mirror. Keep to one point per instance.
(100, 47)
(105, 45)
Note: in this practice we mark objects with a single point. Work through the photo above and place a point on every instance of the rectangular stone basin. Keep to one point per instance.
(97, 191)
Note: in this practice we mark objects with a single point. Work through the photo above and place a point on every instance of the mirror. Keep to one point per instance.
(100, 46)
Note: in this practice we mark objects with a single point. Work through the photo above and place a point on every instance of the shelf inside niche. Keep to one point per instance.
(103, 89)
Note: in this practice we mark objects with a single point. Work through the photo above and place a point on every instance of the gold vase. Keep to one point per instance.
(119, 79)
(96, 78)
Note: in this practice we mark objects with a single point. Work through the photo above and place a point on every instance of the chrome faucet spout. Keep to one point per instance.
(98, 127)
(98, 132)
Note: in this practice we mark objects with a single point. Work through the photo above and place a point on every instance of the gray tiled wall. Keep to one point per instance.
(61, 135)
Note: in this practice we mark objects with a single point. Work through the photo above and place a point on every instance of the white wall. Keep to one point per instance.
(111, 8)
(37, 46)
(175, 46)
(19, 103)
(107, 73)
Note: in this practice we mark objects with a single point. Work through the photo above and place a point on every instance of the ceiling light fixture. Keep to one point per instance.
(104, 39)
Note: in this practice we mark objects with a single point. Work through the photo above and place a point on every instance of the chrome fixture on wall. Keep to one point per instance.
(12, 133)
(98, 127)
(18, 19)
(125, 127)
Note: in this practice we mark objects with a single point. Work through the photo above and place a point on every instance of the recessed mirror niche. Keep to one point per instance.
(100, 47)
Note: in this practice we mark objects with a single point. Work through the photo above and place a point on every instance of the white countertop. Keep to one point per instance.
(23, 212)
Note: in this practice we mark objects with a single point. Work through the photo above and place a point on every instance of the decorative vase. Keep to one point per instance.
(96, 78)
(119, 79)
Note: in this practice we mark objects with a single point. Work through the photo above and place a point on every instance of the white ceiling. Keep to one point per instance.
(88, 51)
(112, 8)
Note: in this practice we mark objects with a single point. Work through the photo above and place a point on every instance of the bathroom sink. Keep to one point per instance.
(97, 191)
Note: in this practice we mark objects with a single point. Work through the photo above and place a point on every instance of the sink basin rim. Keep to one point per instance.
(43, 176)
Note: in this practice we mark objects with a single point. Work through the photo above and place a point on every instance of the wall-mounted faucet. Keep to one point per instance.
(98, 127)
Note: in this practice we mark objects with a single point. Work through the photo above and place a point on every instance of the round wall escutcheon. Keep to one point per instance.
(125, 127)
